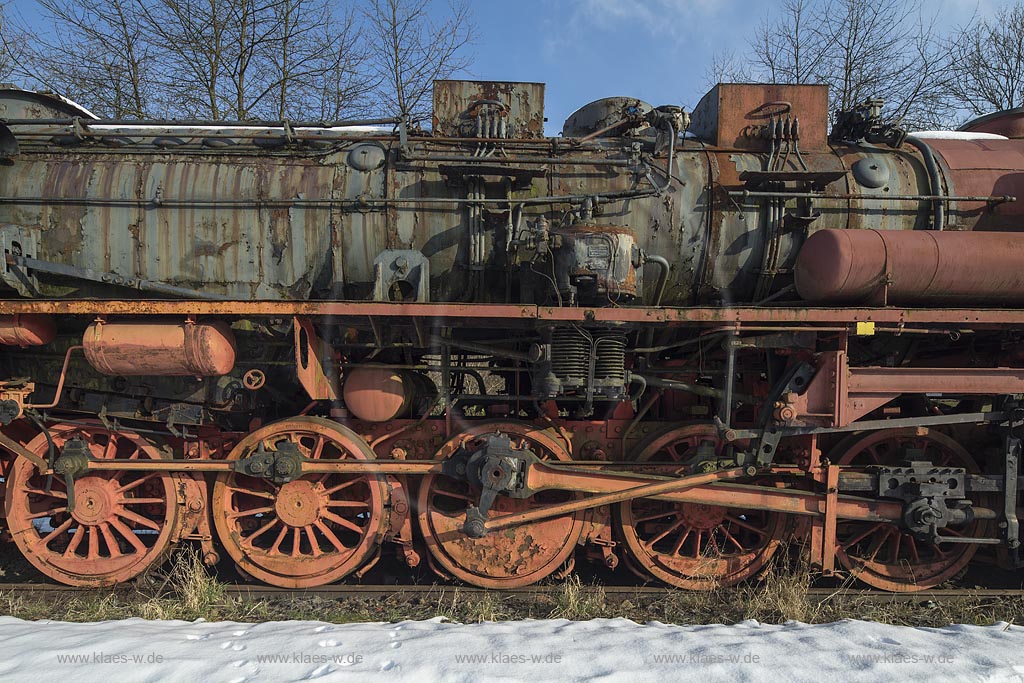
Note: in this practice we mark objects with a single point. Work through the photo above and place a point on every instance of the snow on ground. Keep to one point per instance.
(608, 650)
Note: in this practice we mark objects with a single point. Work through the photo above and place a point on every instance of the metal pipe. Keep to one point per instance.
(934, 179)
(518, 160)
(60, 383)
(995, 199)
(695, 389)
(659, 291)
(354, 201)
(204, 122)
(730, 379)
(480, 348)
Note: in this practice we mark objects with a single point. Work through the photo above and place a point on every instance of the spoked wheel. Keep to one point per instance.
(309, 531)
(883, 555)
(513, 557)
(121, 523)
(694, 545)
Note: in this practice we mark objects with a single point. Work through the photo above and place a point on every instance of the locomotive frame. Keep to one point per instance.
(692, 482)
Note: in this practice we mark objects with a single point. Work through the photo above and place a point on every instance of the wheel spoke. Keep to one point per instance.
(47, 513)
(129, 535)
(731, 538)
(113, 549)
(138, 482)
(647, 518)
(138, 519)
(679, 542)
(348, 504)
(76, 540)
(342, 522)
(339, 487)
(865, 534)
(314, 544)
(94, 543)
(251, 492)
(64, 526)
(250, 512)
(276, 547)
(53, 493)
(142, 501)
(672, 527)
(331, 537)
(248, 540)
(749, 527)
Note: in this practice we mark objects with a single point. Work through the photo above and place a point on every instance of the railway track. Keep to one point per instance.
(612, 593)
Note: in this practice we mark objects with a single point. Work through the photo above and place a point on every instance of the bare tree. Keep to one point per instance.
(726, 67)
(97, 57)
(242, 59)
(860, 49)
(13, 46)
(792, 48)
(988, 65)
(409, 49)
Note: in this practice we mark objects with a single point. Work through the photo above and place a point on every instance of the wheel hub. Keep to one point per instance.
(702, 516)
(95, 500)
(298, 503)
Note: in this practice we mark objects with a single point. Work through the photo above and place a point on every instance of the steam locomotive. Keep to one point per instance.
(666, 342)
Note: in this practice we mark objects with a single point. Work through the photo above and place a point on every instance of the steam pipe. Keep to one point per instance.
(934, 179)
(659, 292)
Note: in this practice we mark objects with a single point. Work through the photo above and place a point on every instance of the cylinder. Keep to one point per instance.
(379, 394)
(160, 349)
(27, 330)
(894, 267)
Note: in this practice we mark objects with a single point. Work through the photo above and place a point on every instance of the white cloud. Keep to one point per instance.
(657, 17)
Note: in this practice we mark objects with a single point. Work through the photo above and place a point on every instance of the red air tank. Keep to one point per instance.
(26, 330)
(160, 349)
(899, 267)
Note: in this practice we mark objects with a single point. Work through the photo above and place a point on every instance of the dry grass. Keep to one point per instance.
(188, 591)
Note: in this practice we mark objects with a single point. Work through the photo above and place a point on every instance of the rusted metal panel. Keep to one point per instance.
(983, 168)
(732, 115)
(455, 103)
(1009, 122)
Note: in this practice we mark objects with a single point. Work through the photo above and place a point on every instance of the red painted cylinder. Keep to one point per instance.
(378, 394)
(897, 267)
(160, 349)
(27, 330)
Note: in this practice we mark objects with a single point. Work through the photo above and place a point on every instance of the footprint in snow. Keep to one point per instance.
(388, 665)
(231, 645)
(395, 645)
(329, 642)
(197, 636)
(239, 633)
(321, 629)
(890, 641)
(320, 671)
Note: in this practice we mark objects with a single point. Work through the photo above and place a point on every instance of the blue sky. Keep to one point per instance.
(655, 50)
